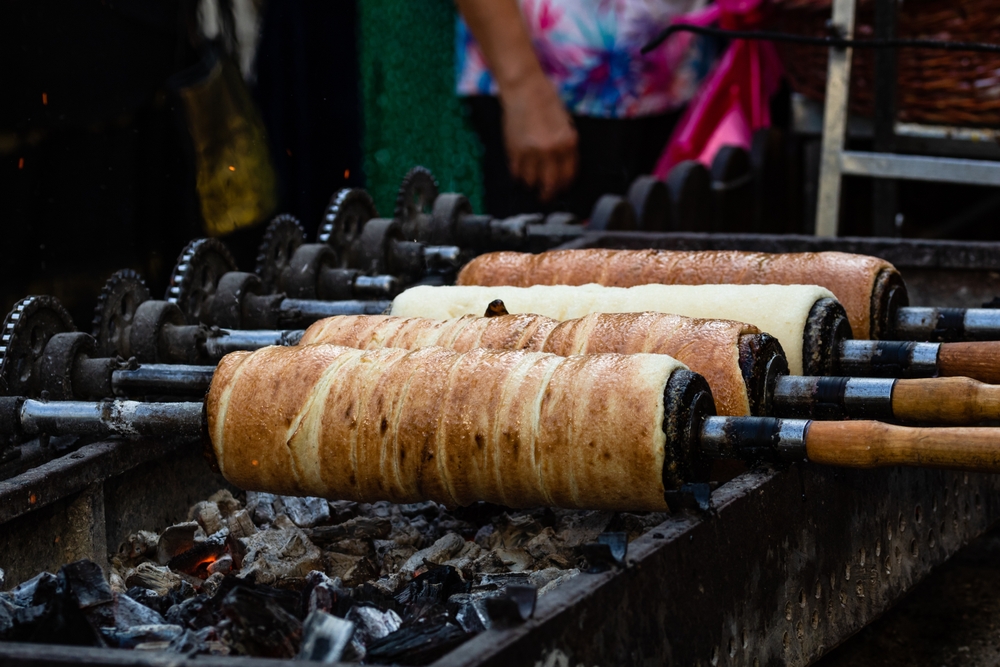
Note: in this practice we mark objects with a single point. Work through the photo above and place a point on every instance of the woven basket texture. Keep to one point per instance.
(934, 87)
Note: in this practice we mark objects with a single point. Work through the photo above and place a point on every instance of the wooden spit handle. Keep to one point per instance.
(869, 444)
(945, 400)
(975, 360)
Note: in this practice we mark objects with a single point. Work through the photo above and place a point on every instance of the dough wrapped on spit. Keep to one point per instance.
(732, 356)
(864, 285)
(516, 428)
(784, 311)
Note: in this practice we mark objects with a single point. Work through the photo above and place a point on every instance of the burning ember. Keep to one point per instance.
(281, 577)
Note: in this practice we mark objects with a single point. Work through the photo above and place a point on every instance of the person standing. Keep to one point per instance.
(566, 106)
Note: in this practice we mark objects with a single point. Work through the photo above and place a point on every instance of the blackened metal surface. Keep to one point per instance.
(13, 654)
(793, 563)
(70, 474)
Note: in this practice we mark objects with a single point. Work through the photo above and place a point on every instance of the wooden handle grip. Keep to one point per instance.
(946, 400)
(868, 444)
(980, 361)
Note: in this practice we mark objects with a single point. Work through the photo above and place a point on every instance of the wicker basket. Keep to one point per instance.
(934, 87)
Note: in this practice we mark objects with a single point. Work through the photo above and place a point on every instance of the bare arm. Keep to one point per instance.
(538, 132)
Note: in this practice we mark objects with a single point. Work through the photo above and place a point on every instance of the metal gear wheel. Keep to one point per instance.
(281, 239)
(196, 276)
(120, 298)
(25, 333)
(349, 210)
(416, 197)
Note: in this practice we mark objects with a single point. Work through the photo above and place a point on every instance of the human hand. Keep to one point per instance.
(539, 135)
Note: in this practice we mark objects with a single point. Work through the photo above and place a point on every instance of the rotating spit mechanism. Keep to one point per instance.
(285, 263)
(209, 290)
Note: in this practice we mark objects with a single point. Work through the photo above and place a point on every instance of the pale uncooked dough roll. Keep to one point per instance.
(863, 284)
(708, 347)
(516, 428)
(780, 310)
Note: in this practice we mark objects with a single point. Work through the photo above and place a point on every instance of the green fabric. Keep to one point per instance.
(412, 115)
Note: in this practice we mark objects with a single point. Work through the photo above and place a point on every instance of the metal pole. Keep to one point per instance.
(884, 191)
(838, 79)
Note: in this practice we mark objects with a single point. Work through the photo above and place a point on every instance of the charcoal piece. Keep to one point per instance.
(418, 643)
(139, 544)
(484, 537)
(160, 580)
(58, 621)
(342, 510)
(84, 583)
(362, 528)
(515, 605)
(158, 603)
(443, 549)
(44, 585)
(428, 509)
(326, 594)
(197, 559)
(207, 515)
(260, 626)
(194, 613)
(3, 579)
(241, 525)
(499, 580)
(280, 553)
(223, 565)
(434, 586)
(129, 613)
(469, 611)
(140, 634)
(237, 548)
(515, 559)
(176, 540)
(306, 512)
(211, 585)
(7, 611)
(324, 637)
(370, 624)
(261, 506)
(188, 643)
(381, 596)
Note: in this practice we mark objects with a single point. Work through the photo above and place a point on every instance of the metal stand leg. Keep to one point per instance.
(884, 195)
(838, 79)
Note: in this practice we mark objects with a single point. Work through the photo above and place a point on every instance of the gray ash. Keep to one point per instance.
(273, 576)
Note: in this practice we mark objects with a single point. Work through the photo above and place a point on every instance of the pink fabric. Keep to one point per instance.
(734, 99)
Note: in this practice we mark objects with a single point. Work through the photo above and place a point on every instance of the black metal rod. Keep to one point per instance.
(162, 379)
(888, 359)
(129, 419)
(308, 310)
(233, 340)
(946, 324)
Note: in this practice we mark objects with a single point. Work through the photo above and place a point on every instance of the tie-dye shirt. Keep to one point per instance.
(590, 50)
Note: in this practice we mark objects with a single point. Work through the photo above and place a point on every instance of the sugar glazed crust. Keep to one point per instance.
(850, 277)
(516, 428)
(708, 347)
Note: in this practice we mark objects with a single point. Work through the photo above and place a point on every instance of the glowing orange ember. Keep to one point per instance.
(20, 163)
(232, 168)
(347, 173)
(32, 499)
(255, 462)
(45, 99)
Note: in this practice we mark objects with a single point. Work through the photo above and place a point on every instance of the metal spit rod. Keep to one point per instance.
(162, 379)
(130, 419)
(296, 309)
(234, 340)
(881, 358)
(947, 324)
